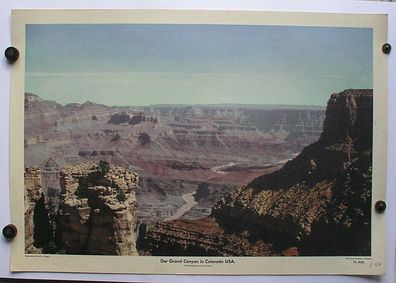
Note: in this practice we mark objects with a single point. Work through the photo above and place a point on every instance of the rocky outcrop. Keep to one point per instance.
(319, 201)
(349, 119)
(97, 210)
(37, 231)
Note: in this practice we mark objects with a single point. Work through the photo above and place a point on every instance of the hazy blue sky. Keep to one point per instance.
(195, 64)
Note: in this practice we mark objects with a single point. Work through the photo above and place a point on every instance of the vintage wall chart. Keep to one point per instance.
(198, 142)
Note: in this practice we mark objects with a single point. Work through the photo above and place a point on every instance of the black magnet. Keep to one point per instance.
(9, 231)
(386, 48)
(380, 206)
(12, 54)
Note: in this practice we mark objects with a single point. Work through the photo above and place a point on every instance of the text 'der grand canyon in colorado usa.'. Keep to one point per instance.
(198, 140)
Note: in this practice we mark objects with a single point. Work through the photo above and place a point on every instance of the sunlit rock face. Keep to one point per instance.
(97, 210)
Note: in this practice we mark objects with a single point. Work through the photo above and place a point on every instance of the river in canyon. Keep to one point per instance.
(190, 202)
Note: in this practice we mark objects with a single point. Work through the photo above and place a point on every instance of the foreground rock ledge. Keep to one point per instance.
(97, 211)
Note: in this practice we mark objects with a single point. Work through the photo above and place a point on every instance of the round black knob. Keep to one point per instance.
(380, 206)
(12, 54)
(9, 231)
(386, 48)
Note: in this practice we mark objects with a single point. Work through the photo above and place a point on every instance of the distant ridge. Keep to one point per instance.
(220, 105)
(249, 106)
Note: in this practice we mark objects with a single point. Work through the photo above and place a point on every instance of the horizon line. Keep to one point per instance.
(180, 104)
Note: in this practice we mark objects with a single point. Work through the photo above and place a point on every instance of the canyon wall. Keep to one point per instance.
(97, 210)
(320, 200)
(319, 203)
(203, 237)
(37, 231)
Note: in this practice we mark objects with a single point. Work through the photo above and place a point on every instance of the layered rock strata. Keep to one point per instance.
(319, 203)
(320, 200)
(202, 237)
(97, 210)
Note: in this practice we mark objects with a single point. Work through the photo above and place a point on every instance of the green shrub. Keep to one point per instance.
(144, 138)
(121, 196)
(103, 167)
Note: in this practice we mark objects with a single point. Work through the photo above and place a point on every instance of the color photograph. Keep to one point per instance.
(197, 144)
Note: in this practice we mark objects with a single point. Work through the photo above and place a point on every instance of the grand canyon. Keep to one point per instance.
(201, 180)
